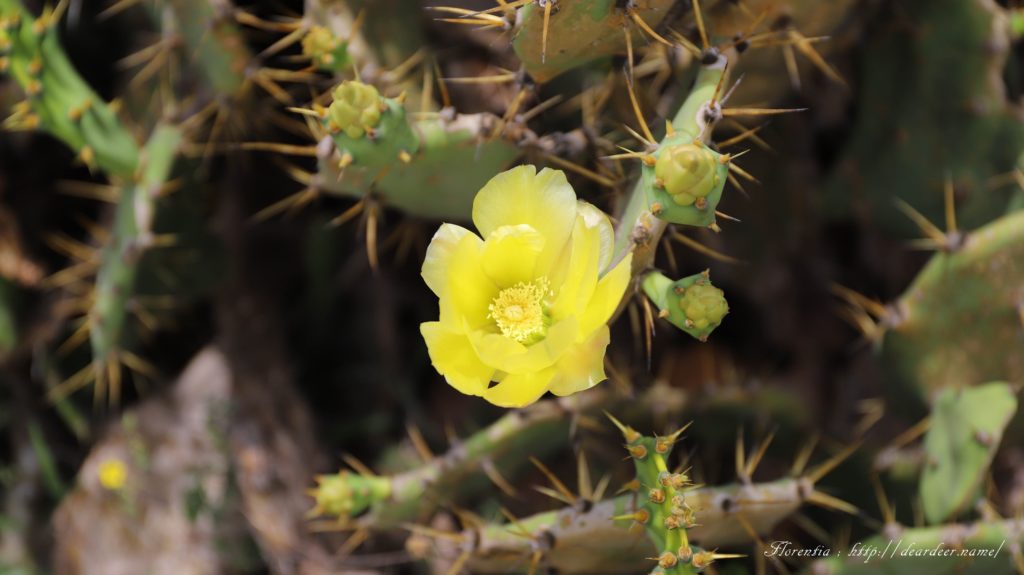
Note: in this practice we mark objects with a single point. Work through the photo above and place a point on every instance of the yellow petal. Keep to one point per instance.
(510, 254)
(582, 367)
(545, 201)
(520, 390)
(468, 291)
(607, 296)
(506, 354)
(454, 358)
(595, 218)
(439, 253)
(580, 279)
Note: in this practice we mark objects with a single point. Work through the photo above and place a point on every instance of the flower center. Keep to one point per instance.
(520, 311)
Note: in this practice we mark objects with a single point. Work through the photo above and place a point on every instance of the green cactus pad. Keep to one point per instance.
(59, 101)
(955, 323)
(966, 428)
(693, 304)
(132, 236)
(933, 105)
(451, 159)
(983, 548)
(685, 184)
(372, 131)
(662, 505)
(8, 326)
(579, 32)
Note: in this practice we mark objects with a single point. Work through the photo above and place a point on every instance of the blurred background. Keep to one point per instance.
(199, 315)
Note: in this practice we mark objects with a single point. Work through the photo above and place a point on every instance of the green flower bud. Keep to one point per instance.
(688, 172)
(692, 304)
(356, 108)
(326, 50)
(704, 305)
(347, 494)
(684, 183)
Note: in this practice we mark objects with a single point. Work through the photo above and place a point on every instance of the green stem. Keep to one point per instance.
(132, 236)
(983, 548)
(588, 540)
(638, 229)
(59, 100)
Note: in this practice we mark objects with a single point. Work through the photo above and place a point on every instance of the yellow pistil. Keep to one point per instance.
(520, 311)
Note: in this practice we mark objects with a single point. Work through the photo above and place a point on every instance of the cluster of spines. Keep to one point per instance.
(57, 99)
(662, 508)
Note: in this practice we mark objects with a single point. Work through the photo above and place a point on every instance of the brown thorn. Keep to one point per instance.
(562, 489)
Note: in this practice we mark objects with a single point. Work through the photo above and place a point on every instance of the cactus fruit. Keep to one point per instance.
(356, 111)
(692, 304)
(347, 494)
(58, 100)
(953, 325)
(324, 49)
(369, 130)
(966, 428)
(685, 184)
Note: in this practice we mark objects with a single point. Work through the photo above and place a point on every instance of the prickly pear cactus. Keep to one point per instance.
(291, 191)
(57, 99)
(662, 508)
(553, 36)
(951, 119)
(953, 325)
(966, 428)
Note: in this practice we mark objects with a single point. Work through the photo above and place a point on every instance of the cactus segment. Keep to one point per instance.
(694, 120)
(983, 548)
(463, 471)
(664, 504)
(58, 99)
(966, 428)
(969, 130)
(579, 31)
(212, 40)
(953, 325)
(132, 236)
(8, 324)
(692, 304)
(382, 151)
(589, 540)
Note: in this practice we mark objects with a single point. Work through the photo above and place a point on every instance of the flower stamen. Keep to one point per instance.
(520, 311)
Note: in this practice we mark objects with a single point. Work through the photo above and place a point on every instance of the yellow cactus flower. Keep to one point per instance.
(526, 303)
(113, 474)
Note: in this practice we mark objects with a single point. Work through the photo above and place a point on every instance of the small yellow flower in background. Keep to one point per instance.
(113, 474)
(527, 304)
